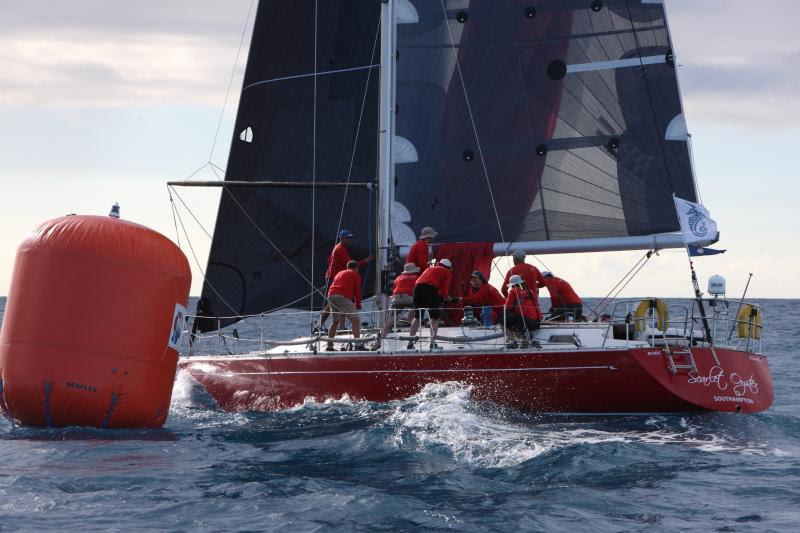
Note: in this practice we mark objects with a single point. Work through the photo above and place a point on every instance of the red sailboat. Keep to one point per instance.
(549, 129)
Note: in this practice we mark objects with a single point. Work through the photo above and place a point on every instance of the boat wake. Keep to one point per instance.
(444, 420)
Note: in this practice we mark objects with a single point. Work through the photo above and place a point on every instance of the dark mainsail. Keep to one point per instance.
(296, 127)
(515, 121)
(558, 110)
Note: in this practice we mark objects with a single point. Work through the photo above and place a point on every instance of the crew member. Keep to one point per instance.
(340, 256)
(430, 289)
(529, 274)
(418, 253)
(337, 262)
(563, 299)
(522, 310)
(344, 301)
(484, 294)
(402, 298)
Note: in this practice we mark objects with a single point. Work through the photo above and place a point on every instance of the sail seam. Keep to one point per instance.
(472, 121)
(313, 74)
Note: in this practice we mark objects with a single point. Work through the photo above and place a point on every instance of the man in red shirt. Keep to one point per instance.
(340, 256)
(337, 262)
(418, 253)
(522, 311)
(402, 298)
(529, 274)
(344, 301)
(564, 301)
(430, 289)
(484, 294)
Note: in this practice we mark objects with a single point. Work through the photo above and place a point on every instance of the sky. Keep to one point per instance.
(104, 101)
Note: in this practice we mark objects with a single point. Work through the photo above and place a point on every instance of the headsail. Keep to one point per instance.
(308, 113)
(539, 121)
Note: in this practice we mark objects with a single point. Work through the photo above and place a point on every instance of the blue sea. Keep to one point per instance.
(437, 461)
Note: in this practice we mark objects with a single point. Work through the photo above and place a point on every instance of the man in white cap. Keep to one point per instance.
(523, 314)
(402, 298)
(529, 274)
(418, 253)
(430, 289)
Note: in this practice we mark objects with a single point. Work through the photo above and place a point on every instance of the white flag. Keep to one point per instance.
(697, 225)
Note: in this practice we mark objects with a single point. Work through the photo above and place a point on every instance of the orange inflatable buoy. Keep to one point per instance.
(92, 325)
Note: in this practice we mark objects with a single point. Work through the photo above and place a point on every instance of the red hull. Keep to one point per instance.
(602, 381)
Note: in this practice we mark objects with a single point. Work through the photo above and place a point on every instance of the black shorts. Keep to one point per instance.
(517, 322)
(427, 297)
(574, 310)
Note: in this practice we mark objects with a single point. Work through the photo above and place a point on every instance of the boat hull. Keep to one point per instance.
(571, 381)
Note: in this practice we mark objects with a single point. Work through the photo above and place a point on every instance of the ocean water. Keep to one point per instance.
(437, 461)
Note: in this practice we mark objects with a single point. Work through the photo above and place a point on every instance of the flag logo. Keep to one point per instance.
(697, 226)
(697, 222)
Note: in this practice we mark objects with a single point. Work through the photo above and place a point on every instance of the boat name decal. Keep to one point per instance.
(740, 386)
(736, 399)
(715, 375)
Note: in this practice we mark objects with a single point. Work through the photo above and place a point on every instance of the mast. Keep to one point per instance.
(385, 145)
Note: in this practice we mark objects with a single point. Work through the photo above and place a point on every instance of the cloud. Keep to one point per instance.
(740, 62)
(100, 53)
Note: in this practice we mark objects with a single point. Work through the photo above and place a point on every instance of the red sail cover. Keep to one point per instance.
(92, 323)
(466, 258)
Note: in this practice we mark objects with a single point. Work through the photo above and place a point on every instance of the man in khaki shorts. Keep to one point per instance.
(344, 299)
(402, 298)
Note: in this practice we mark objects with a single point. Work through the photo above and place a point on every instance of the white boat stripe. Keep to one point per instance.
(423, 371)
(617, 63)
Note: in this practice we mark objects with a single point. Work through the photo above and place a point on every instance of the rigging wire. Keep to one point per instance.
(230, 81)
(624, 281)
(188, 210)
(197, 261)
(472, 121)
(174, 220)
(358, 131)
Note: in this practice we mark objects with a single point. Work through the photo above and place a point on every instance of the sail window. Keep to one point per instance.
(404, 151)
(557, 69)
(597, 5)
(462, 17)
(530, 12)
(405, 12)
(246, 135)
(469, 155)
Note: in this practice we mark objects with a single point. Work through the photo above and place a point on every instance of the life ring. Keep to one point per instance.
(646, 309)
(748, 321)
